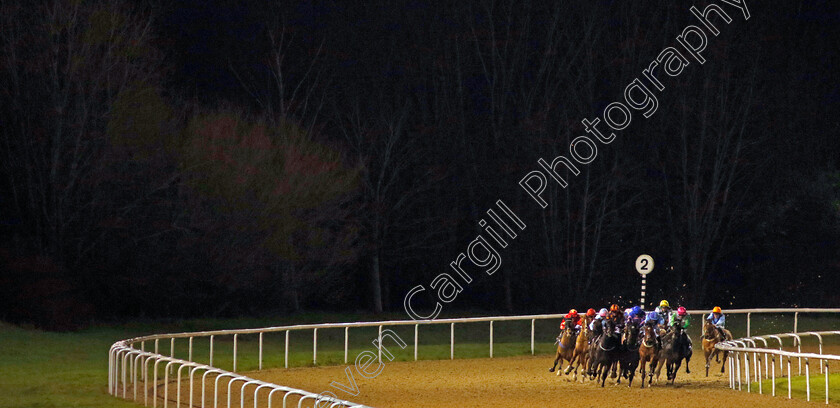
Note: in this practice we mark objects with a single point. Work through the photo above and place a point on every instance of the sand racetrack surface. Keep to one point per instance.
(521, 381)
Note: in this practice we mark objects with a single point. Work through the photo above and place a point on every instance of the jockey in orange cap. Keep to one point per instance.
(616, 317)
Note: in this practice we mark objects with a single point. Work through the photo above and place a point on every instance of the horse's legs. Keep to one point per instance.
(642, 371)
(687, 359)
(571, 364)
(605, 371)
(653, 362)
(659, 364)
(725, 355)
(708, 360)
(551, 370)
(620, 368)
(676, 370)
(632, 374)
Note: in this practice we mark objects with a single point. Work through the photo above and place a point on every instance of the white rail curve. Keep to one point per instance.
(129, 365)
(766, 356)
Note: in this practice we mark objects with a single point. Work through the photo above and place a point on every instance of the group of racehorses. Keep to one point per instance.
(622, 352)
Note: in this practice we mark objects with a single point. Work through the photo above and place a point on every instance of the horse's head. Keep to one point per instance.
(709, 331)
(609, 328)
(678, 330)
(649, 330)
(650, 333)
(632, 332)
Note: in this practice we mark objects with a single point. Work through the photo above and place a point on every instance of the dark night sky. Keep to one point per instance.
(470, 121)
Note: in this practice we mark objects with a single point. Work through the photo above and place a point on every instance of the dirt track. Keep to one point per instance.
(518, 382)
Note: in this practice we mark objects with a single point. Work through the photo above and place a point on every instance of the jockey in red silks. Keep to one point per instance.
(575, 319)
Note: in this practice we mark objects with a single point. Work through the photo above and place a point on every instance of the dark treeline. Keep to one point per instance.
(206, 158)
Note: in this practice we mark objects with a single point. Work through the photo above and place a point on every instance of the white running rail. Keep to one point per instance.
(763, 355)
(129, 365)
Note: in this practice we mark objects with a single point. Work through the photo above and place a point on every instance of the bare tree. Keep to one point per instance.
(709, 177)
(65, 65)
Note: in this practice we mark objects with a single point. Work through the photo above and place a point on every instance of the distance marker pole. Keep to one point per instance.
(644, 265)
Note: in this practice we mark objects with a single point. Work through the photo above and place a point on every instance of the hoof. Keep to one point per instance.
(551, 370)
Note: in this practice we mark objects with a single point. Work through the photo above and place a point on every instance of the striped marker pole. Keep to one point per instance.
(644, 265)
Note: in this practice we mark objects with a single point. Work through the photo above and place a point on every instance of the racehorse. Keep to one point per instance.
(674, 350)
(629, 357)
(648, 352)
(581, 354)
(712, 336)
(565, 346)
(604, 353)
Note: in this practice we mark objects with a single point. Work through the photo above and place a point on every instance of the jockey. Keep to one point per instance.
(591, 313)
(681, 319)
(575, 319)
(664, 311)
(616, 317)
(718, 319)
(597, 325)
(653, 319)
(636, 314)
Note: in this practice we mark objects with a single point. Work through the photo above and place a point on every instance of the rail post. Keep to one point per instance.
(807, 379)
(452, 341)
(346, 342)
(261, 351)
(819, 337)
(788, 378)
(532, 336)
(211, 350)
(773, 374)
(416, 326)
(491, 339)
(731, 370)
(826, 381)
(796, 322)
(235, 337)
(781, 361)
(190, 353)
(747, 371)
(286, 353)
(315, 347)
(379, 343)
